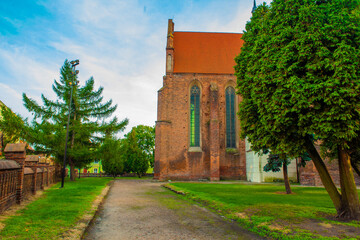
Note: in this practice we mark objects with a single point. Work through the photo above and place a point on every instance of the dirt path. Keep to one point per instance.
(144, 210)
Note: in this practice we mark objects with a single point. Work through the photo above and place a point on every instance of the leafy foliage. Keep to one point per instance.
(275, 163)
(111, 156)
(298, 73)
(136, 158)
(11, 126)
(146, 141)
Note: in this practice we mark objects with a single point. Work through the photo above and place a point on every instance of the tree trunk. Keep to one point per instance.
(72, 170)
(350, 198)
(324, 175)
(286, 179)
(355, 168)
(72, 165)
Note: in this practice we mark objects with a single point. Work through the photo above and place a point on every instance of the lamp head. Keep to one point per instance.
(75, 62)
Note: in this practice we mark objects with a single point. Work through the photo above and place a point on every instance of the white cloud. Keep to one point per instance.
(117, 42)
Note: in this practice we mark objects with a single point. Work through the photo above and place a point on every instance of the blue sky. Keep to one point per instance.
(121, 43)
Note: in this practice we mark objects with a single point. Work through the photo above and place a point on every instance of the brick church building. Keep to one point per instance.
(197, 129)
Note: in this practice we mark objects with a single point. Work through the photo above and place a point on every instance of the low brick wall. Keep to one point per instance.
(38, 180)
(21, 175)
(309, 176)
(8, 182)
(28, 182)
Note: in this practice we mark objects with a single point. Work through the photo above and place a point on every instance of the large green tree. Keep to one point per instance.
(298, 74)
(111, 155)
(146, 141)
(136, 159)
(87, 128)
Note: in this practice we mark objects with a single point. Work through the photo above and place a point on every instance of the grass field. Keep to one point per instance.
(264, 209)
(55, 212)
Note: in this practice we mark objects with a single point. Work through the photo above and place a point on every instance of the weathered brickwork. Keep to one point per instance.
(28, 182)
(174, 158)
(20, 178)
(8, 180)
(308, 175)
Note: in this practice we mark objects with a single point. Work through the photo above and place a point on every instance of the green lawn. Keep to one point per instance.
(55, 212)
(260, 207)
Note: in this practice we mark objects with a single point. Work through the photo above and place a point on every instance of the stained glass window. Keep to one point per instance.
(195, 117)
(230, 118)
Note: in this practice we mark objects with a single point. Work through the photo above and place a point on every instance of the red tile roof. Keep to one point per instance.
(202, 52)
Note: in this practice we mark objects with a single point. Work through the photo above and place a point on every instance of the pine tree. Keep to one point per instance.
(87, 120)
(274, 164)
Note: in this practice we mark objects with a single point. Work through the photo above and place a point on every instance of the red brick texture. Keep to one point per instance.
(20, 178)
(174, 158)
(308, 175)
(8, 180)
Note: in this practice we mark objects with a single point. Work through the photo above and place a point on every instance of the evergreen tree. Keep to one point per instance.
(298, 74)
(87, 120)
(274, 164)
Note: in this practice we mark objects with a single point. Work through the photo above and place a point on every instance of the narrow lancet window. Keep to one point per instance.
(195, 116)
(230, 118)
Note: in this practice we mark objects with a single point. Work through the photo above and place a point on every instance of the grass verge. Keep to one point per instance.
(55, 212)
(264, 209)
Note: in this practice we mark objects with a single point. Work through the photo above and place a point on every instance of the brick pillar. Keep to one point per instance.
(161, 135)
(17, 152)
(214, 134)
(35, 169)
(48, 176)
(42, 178)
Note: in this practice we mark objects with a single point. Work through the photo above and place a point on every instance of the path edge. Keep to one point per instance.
(79, 230)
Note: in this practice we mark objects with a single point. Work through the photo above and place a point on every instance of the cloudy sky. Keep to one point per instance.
(121, 43)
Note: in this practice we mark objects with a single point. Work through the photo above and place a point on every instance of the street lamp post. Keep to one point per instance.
(74, 73)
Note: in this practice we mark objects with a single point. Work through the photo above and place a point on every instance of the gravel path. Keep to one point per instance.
(141, 209)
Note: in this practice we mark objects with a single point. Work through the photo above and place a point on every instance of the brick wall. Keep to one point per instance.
(308, 175)
(19, 178)
(28, 182)
(8, 181)
(174, 159)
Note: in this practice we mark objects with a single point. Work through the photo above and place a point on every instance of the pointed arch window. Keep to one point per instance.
(195, 116)
(230, 118)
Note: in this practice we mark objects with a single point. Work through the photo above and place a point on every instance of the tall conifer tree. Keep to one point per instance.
(87, 120)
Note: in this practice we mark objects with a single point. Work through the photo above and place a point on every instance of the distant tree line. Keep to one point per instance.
(132, 154)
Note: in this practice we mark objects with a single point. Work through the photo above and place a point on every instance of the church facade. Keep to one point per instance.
(197, 129)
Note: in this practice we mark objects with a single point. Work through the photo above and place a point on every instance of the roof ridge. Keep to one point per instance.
(208, 32)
